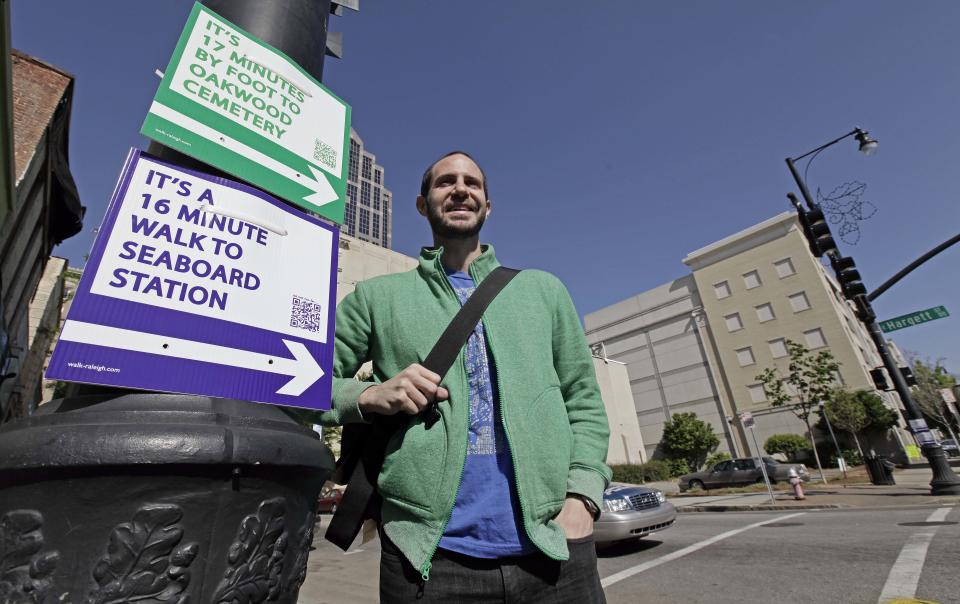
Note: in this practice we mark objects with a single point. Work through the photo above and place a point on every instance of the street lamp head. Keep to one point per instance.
(867, 145)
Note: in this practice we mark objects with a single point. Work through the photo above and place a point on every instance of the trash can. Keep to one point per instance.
(881, 470)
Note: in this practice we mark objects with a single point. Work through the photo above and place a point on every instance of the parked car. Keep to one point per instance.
(950, 448)
(739, 472)
(329, 499)
(632, 512)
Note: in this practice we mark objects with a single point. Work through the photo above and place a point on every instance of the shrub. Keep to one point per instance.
(653, 470)
(679, 467)
(788, 444)
(715, 459)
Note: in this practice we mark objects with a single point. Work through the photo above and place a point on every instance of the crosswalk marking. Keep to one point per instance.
(633, 570)
(905, 574)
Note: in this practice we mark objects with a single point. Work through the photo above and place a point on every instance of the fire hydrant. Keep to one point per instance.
(794, 478)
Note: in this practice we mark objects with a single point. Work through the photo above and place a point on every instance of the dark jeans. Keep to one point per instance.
(456, 578)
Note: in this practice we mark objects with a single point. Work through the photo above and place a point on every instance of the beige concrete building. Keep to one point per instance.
(626, 442)
(368, 213)
(724, 324)
(760, 288)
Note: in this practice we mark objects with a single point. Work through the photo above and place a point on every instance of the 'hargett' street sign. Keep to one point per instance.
(916, 318)
(200, 285)
(240, 105)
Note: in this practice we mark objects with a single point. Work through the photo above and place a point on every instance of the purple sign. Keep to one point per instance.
(201, 285)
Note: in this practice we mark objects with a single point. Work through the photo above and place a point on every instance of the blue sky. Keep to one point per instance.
(618, 136)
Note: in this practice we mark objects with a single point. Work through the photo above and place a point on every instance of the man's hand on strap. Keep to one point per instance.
(407, 392)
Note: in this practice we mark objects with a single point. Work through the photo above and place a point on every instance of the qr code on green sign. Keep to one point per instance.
(325, 154)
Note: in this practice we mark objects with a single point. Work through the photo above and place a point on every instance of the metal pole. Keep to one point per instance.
(840, 460)
(909, 268)
(944, 481)
(763, 466)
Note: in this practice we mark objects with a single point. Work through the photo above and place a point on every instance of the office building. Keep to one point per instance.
(368, 210)
(698, 343)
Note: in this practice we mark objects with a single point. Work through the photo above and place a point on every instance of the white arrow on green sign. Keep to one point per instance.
(916, 318)
(240, 105)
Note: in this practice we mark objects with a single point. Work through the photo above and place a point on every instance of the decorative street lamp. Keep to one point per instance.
(821, 241)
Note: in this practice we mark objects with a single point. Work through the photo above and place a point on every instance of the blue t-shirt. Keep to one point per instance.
(485, 522)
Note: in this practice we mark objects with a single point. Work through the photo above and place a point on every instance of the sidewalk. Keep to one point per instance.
(912, 489)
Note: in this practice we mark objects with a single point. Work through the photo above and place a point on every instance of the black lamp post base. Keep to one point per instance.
(945, 481)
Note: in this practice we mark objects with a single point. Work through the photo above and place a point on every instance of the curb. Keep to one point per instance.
(757, 508)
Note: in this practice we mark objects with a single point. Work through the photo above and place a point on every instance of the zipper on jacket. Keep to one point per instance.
(425, 569)
(506, 434)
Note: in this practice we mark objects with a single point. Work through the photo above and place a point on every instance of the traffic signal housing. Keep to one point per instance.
(848, 276)
(817, 231)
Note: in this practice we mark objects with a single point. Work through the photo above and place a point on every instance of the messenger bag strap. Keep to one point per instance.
(360, 498)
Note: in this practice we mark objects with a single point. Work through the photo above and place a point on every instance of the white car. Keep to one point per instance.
(632, 512)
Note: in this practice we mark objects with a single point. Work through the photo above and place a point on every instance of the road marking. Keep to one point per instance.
(905, 574)
(633, 570)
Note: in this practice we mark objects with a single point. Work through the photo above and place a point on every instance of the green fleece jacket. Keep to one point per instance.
(550, 402)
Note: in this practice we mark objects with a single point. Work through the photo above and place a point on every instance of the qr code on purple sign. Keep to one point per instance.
(305, 314)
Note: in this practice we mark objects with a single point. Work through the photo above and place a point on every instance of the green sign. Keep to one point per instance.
(916, 318)
(240, 105)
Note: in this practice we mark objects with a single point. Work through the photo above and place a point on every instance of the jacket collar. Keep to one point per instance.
(431, 266)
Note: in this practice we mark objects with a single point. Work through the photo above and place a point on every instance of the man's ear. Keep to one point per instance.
(422, 205)
(489, 208)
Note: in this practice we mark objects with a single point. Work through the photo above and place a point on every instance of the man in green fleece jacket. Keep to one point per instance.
(496, 500)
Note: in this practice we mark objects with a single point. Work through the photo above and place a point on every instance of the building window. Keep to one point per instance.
(733, 322)
(365, 194)
(784, 268)
(722, 290)
(799, 302)
(367, 167)
(751, 279)
(814, 338)
(350, 211)
(378, 176)
(778, 348)
(354, 162)
(745, 356)
(376, 198)
(364, 221)
(376, 226)
(765, 313)
(757, 393)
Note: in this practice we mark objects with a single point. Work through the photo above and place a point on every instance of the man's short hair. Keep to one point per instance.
(427, 180)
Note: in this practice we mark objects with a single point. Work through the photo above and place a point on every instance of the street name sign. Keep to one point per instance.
(916, 318)
(201, 285)
(240, 105)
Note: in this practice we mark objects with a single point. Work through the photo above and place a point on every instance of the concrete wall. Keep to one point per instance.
(656, 335)
(626, 442)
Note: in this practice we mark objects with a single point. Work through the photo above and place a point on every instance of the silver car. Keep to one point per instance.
(631, 512)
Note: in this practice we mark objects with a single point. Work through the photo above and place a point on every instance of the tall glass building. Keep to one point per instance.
(367, 215)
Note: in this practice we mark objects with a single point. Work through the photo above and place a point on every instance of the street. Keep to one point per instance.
(851, 556)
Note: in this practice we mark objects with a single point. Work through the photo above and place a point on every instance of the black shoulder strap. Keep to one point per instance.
(366, 459)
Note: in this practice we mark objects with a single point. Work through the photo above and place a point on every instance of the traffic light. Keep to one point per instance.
(817, 231)
(879, 377)
(908, 376)
(848, 276)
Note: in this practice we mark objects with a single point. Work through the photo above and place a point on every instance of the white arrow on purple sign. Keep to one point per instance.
(201, 285)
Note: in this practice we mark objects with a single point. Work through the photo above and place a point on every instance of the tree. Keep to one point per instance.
(810, 380)
(688, 438)
(931, 378)
(787, 444)
(846, 411)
